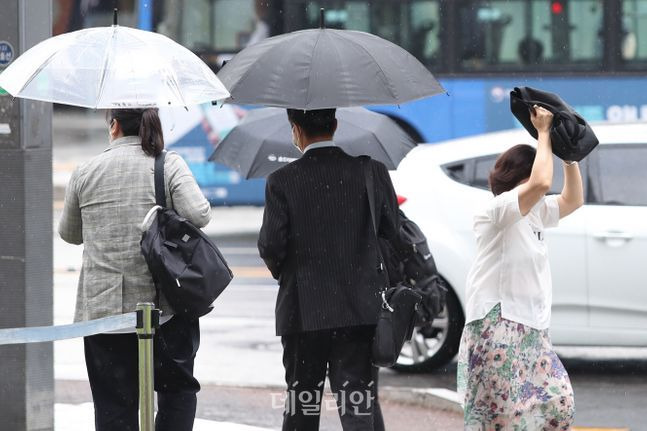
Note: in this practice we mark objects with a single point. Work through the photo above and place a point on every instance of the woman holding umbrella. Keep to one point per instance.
(106, 200)
(509, 377)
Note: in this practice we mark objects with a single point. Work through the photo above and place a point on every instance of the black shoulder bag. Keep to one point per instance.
(399, 304)
(186, 265)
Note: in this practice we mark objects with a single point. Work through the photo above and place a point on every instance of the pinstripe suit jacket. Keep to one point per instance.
(105, 203)
(317, 239)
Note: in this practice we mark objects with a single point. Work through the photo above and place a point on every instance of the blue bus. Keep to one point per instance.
(592, 52)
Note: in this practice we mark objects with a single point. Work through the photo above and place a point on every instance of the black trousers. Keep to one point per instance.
(112, 363)
(346, 354)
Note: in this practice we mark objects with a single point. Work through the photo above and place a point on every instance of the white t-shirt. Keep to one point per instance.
(511, 265)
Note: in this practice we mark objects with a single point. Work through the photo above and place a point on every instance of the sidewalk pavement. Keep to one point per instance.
(237, 354)
(227, 406)
(80, 417)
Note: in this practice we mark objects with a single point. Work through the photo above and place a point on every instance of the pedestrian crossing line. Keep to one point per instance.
(599, 429)
(239, 271)
(239, 250)
(65, 166)
(250, 272)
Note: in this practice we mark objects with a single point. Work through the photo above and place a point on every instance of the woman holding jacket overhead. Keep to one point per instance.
(509, 377)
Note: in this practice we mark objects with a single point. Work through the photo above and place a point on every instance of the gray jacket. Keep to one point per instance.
(105, 203)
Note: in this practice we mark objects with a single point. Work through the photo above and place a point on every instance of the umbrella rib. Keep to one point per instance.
(277, 126)
(38, 70)
(376, 138)
(386, 81)
(314, 48)
(104, 72)
(409, 140)
(249, 68)
(176, 87)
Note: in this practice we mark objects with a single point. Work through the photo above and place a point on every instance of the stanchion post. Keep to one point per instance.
(147, 321)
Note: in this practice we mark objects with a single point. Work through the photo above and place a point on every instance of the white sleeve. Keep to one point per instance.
(504, 210)
(549, 211)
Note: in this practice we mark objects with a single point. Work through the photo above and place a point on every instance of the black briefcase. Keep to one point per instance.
(395, 324)
(571, 136)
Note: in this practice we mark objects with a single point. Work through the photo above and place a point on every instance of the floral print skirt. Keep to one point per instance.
(509, 378)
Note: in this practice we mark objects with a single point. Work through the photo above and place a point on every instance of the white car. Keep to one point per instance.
(598, 255)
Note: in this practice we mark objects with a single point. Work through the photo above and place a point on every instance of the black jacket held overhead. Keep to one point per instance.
(571, 136)
(317, 239)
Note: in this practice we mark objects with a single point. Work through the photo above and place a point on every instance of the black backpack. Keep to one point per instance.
(186, 265)
(409, 262)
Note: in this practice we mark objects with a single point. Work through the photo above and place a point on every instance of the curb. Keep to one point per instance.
(430, 398)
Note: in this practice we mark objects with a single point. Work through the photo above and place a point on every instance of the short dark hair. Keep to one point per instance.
(315, 123)
(511, 168)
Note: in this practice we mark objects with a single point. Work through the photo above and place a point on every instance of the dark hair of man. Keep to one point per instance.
(144, 123)
(314, 123)
(511, 168)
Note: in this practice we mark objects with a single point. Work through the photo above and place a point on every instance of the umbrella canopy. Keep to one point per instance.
(326, 68)
(262, 142)
(112, 67)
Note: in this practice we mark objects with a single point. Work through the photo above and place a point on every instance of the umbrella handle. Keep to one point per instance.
(148, 220)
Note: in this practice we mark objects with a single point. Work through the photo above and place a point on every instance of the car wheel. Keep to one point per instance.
(434, 345)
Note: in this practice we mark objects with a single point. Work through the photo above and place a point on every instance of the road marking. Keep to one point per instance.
(251, 272)
(239, 271)
(599, 429)
(239, 250)
(65, 166)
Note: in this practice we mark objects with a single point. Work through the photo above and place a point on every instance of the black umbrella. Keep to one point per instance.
(262, 142)
(326, 68)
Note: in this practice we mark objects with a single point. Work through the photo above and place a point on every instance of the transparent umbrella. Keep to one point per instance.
(112, 67)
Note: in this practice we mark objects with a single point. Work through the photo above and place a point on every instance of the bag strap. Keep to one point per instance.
(160, 199)
(160, 189)
(370, 191)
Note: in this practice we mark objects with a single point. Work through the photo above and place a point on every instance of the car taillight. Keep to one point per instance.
(401, 200)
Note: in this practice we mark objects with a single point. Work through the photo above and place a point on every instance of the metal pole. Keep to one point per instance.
(145, 15)
(147, 321)
(27, 372)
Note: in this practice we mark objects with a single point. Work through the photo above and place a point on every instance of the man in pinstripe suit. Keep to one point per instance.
(317, 240)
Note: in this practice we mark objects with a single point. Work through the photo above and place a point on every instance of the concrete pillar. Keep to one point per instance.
(26, 371)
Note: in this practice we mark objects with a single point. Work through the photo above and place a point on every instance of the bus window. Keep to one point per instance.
(529, 34)
(634, 31)
(348, 15)
(221, 25)
(217, 29)
(424, 29)
(414, 25)
(71, 15)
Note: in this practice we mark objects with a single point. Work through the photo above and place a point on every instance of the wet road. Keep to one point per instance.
(610, 384)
